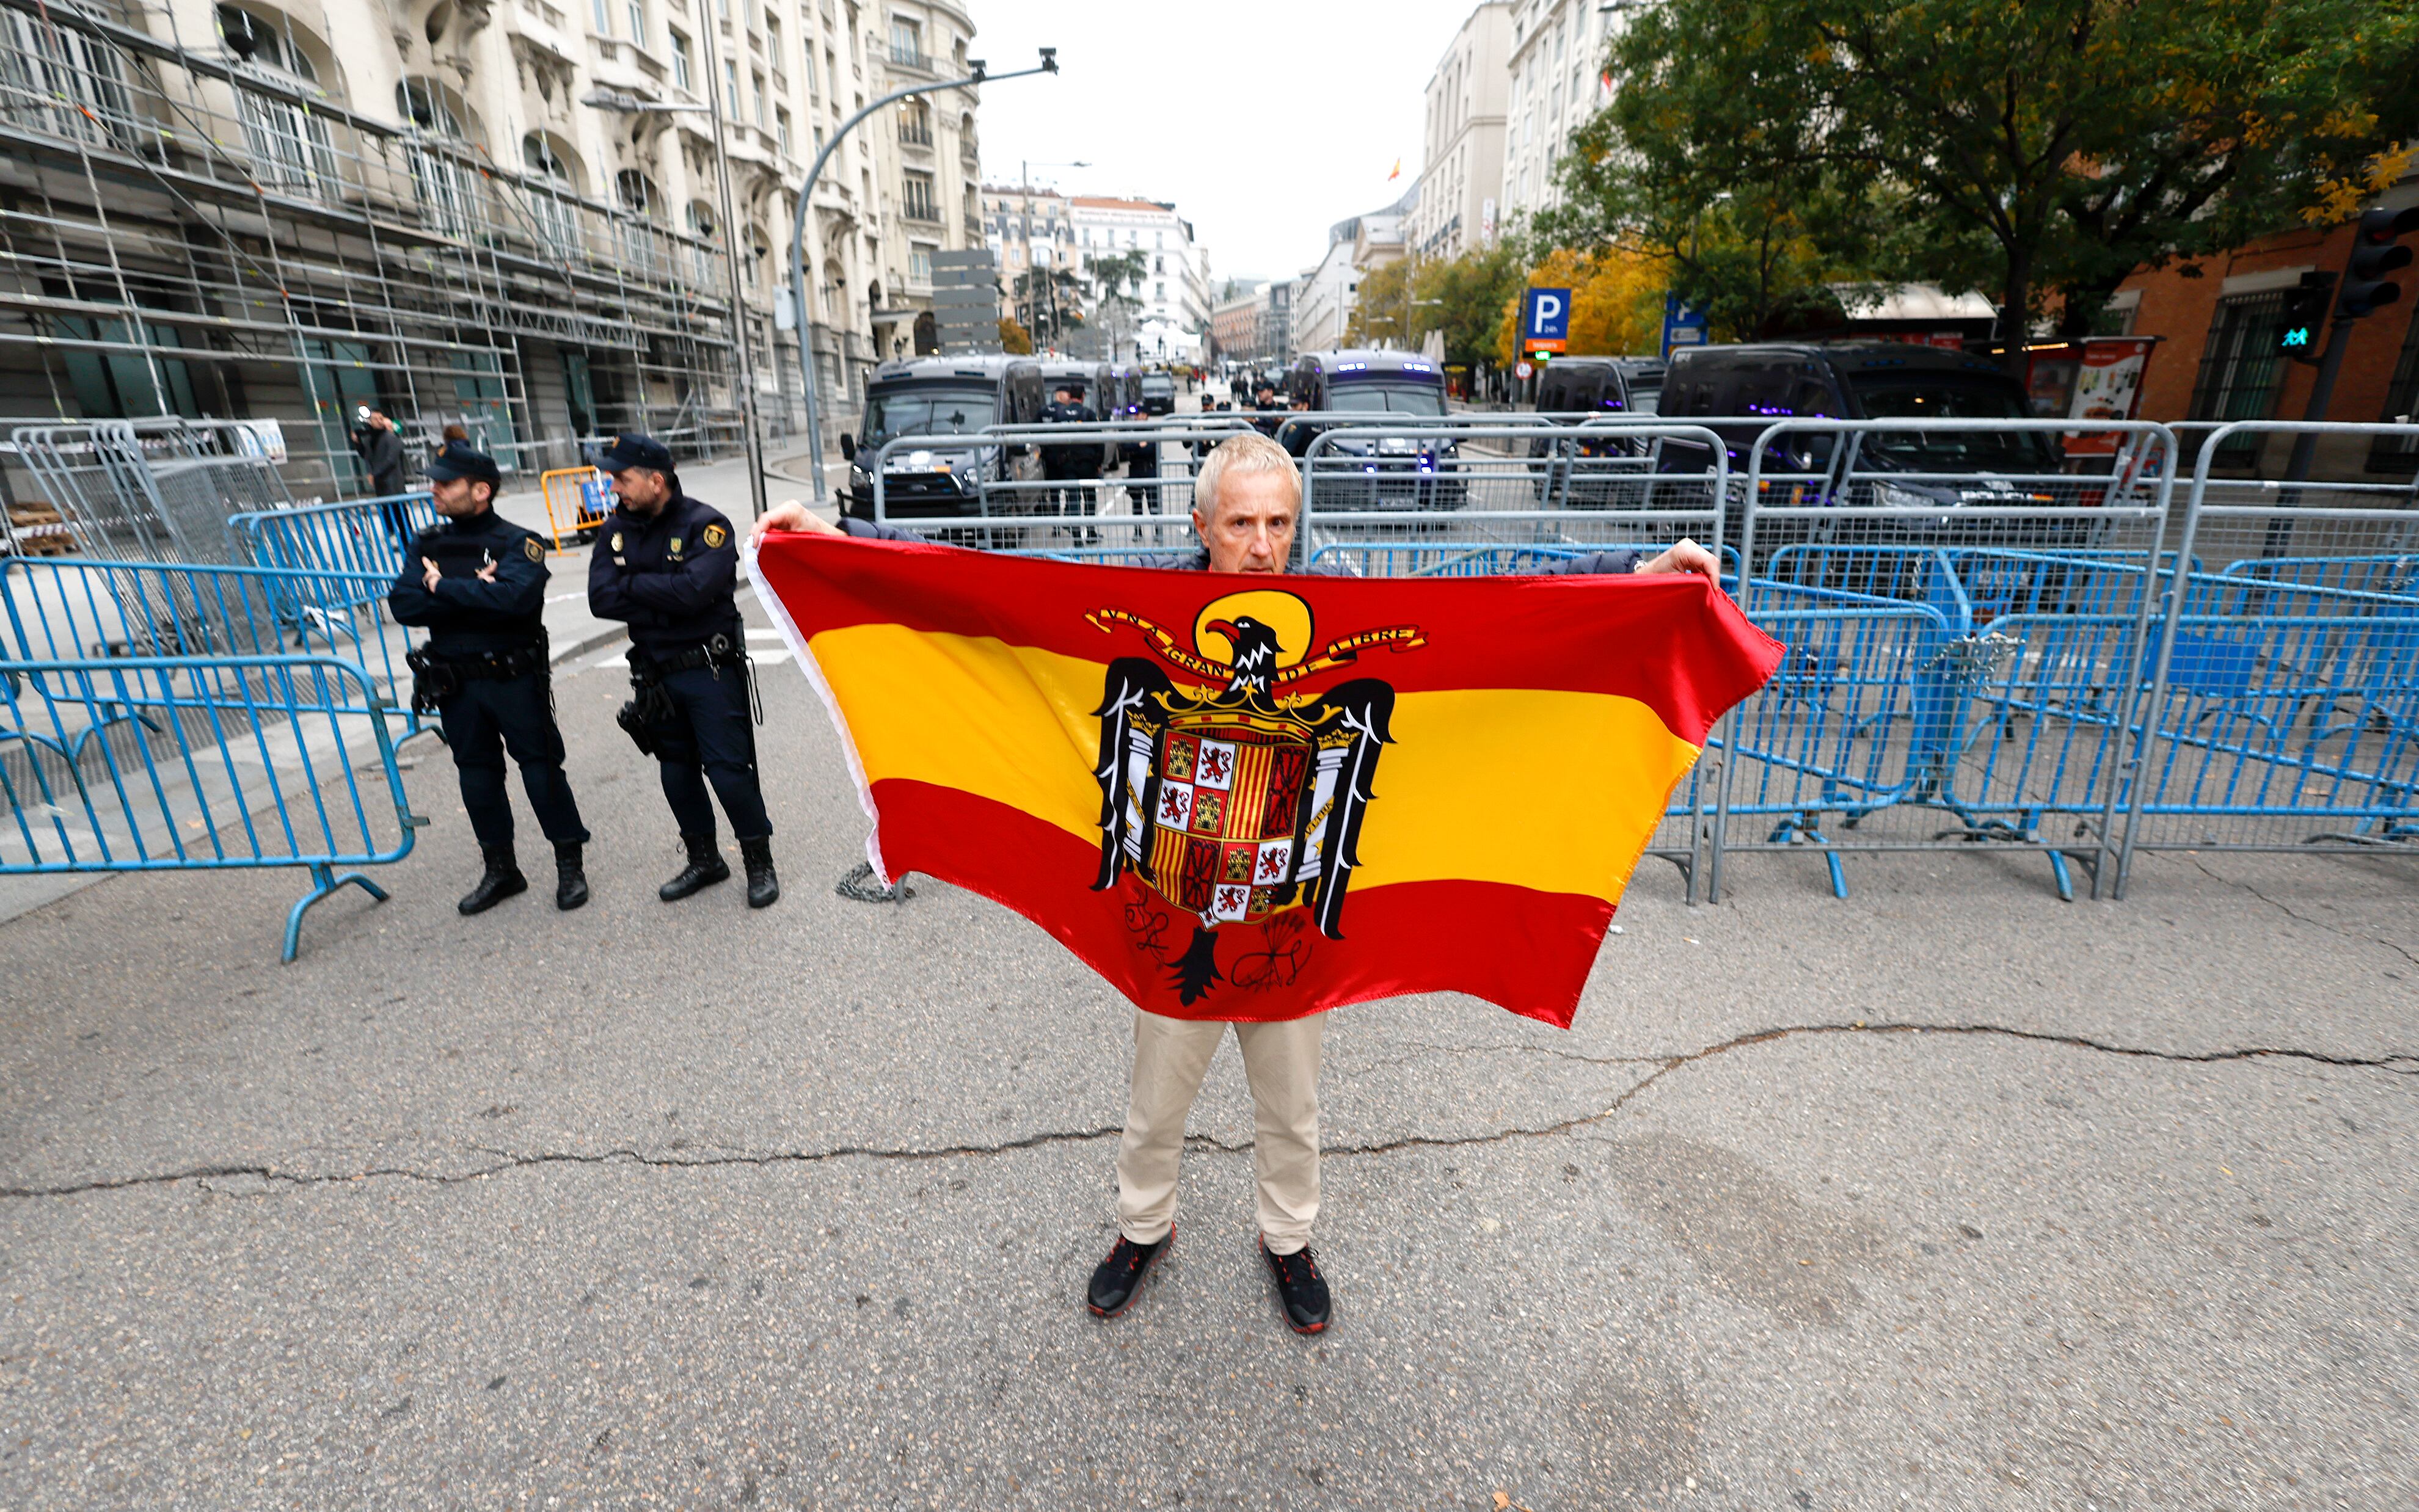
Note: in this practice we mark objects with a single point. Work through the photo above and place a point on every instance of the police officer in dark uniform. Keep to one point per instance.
(478, 582)
(1269, 413)
(1065, 463)
(667, 565)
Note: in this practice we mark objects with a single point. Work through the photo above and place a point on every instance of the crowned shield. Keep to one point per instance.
(1226, 812)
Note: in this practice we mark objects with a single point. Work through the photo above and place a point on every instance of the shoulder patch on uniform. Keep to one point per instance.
(535, 552)
(714, 536)
(617, 540)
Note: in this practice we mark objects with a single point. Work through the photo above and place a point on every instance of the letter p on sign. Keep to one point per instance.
(1546, 320)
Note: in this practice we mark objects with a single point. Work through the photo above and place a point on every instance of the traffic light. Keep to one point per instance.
(2376, 250)
(2306, 311)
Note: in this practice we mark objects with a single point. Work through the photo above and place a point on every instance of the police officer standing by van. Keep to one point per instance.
(478, 582)
(1070, 464)
(667, 566)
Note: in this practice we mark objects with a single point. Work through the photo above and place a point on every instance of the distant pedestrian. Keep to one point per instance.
(478, 582)
(382, 458)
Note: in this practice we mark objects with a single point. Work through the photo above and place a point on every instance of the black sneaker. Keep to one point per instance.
(1119, 1278)
(1302, 1291)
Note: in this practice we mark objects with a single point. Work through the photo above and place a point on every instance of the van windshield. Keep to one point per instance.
(1643, 393)
(1157, 383)
(1925, 396)
(1391, 398)
(926, 412)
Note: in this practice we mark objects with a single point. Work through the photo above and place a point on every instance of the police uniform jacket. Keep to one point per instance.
(671, 579)
(465, 615)
(1074, 459)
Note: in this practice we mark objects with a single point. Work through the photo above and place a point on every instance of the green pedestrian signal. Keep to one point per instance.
(2306, 311)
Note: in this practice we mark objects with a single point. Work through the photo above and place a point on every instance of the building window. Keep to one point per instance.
(920, 202)
(915, 123)
(638, 23)
(1159, 292)
(682, 77)
(2241, 369)
(919, 264)
(2401, 453)
(781, 130)
(731, 88)
(601, 16)
(758, 81)
(907, 43)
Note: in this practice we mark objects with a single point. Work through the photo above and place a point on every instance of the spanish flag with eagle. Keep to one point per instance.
(1254, 797)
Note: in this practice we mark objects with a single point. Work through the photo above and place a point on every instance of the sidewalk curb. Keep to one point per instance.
(595, 640)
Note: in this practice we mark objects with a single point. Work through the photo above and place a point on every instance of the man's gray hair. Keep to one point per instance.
(1245, 454)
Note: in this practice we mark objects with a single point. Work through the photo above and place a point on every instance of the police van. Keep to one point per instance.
(942, 396)
(1397, 469)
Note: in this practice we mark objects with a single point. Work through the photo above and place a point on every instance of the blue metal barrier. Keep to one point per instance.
(360, 535)
(2395, 573)
(216, 762)
(56, 608)
(1838, 730)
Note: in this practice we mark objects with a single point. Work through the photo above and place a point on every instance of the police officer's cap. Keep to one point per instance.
(630, 450)
(456, 458)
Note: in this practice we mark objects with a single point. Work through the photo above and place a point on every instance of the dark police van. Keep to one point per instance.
(1397, 471)
(1590, 385)
(1157, 392)
(942, 396)
(1582, 387)
(1738, 391)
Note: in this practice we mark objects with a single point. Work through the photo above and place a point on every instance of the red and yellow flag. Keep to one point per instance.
(1255, 798)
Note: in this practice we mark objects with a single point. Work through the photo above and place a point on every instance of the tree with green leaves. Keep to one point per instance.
(2039, 152)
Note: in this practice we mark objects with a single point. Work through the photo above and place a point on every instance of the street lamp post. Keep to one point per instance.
(1024, 187)
(742, 344)
(798, 240)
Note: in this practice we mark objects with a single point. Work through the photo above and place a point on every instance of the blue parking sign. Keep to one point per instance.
(1545, 320)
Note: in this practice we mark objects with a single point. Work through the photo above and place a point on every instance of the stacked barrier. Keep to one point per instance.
(2283, 698)
(173, 717)
(576, 501)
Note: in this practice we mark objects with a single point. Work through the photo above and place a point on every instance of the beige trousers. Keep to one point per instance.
(1171, 1055)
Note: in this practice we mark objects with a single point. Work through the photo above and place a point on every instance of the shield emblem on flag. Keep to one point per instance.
(1226, 812)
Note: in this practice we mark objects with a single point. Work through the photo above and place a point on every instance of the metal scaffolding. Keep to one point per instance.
(187, 229)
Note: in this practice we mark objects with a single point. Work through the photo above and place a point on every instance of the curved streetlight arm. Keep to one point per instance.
(798, 245)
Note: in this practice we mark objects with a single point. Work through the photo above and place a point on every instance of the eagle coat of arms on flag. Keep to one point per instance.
(1232, 798)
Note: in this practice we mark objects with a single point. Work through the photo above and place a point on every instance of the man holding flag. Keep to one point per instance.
(1221, 812)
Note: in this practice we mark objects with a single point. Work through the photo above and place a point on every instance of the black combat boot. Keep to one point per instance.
(705, 867)
(570, 877)
(501, 880)
(764, 888)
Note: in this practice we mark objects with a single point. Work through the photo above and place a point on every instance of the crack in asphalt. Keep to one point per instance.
(2288, 910)
(2398, 1063)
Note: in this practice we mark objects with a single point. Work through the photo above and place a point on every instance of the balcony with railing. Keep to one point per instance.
(903, 55)
(915, 134)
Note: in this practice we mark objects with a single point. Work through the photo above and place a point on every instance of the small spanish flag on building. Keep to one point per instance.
(1397, 172)
(1258, 797)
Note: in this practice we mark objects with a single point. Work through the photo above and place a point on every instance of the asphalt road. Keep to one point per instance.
(1947, 1196)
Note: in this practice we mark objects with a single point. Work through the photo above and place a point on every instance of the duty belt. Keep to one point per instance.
(437, 676)
(720, 652)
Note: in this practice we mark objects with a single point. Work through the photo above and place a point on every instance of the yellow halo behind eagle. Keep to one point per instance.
(1281, 611)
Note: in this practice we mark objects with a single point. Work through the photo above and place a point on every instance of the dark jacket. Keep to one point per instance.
(671, 579)
(382, 455)
(464, 615)
(1617, 561)
(1070, 461)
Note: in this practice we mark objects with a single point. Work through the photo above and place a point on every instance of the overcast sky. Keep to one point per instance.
(1265, 121)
